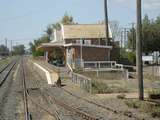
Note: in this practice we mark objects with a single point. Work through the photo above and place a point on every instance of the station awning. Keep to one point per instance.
(50, 46)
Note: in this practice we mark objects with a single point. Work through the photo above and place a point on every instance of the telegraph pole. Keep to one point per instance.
(139, 50)
(6, 42)
(133, 38)
(11, 47)
(106, 21)
(121, 39)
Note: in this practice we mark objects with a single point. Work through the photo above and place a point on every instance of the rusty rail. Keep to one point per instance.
(84, 115)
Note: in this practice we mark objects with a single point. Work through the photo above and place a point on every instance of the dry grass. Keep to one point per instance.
(102, 88)
(143, 106)
(154, 94)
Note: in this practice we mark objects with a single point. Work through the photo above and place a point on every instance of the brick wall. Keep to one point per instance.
(92, 54)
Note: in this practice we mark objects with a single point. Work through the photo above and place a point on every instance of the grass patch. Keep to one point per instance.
(143, 106)
(4, 62)
(121, 96)
(102, 88)
(154, 94)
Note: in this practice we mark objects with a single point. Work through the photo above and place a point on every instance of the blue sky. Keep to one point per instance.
(25, 20)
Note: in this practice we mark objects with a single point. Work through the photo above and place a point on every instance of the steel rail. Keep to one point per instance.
(130, 115)
(28, 97)
(5, 67)
(55, 114)
(104, 107)
(8, 72)
(84, 115)
(27, 114)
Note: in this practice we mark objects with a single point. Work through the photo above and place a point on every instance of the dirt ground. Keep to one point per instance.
(104, 106)
(110, 100)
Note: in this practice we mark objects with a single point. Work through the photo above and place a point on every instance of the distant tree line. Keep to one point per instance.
(3, 50)
(17, 50)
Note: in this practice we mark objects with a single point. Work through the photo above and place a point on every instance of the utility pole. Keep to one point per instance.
(125, 35)
(106, 21)
(139, 50)
(121, 39)
(6, 42)
(81, 51)
(121, 43)
(11, 47)
(6, 52)
(133, 38)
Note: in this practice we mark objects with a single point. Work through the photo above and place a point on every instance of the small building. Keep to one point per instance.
(148, 59)
(78, 43)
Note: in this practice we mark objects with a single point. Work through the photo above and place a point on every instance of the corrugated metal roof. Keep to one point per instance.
(85, 31)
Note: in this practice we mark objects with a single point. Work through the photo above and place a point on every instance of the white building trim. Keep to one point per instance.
(62, 29)
(85, 45)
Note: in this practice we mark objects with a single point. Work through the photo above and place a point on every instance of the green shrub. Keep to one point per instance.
(38, 53)
(132, 57)
(133, 104)
(143, 106)
(101, 88)
(154, 94)
(121, 96)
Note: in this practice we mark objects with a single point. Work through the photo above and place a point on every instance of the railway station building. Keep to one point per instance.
(78, 43)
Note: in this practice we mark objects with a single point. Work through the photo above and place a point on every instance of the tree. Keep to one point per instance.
(115, 29)
(56, 26)
(67, 19)
(150, 34)
(4, 50)
(49, 32)
(132, 39)
(19, 50)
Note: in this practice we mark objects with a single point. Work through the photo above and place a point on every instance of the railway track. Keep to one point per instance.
(80, 113)
(27, 97)
(127, 114)
(61, 104)
(5, 71)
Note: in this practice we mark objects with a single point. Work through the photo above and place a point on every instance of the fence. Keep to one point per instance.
(83, 81)
(103, 65)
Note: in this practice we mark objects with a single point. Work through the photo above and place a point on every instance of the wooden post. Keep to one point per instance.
(106, 21)
(139, 50)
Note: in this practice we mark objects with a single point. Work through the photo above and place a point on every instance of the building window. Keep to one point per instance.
(87, 42)
(84, 42)
(78, 41)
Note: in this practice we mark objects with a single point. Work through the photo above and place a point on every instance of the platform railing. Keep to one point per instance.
(102, 65)
(83, 81)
